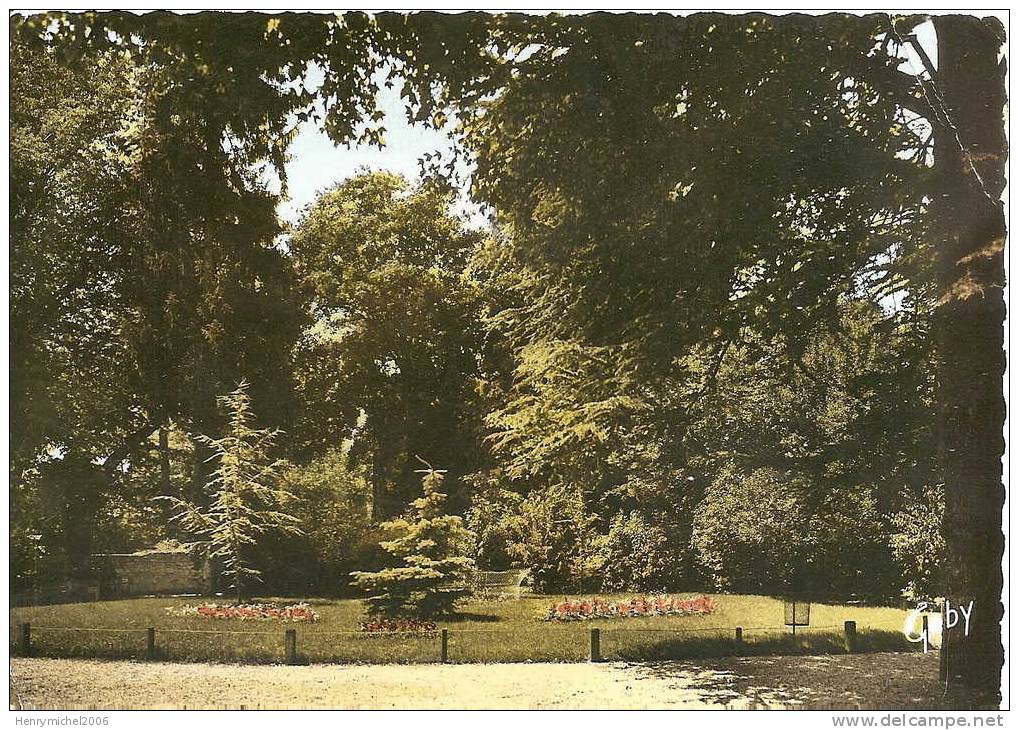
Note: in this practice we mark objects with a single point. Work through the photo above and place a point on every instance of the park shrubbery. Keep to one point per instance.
(918, 545)
(555, 537)
(333, 503)
(494, 518)
(759, 532)
(645, 555)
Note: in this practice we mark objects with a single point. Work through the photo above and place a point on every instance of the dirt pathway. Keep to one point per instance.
(892, 681)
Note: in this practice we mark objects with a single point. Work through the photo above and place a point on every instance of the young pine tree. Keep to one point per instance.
(433, 549)
(245, 500)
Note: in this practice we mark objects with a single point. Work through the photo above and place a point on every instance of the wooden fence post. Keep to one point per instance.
(739, 634)
(444, 646)
(290, 644)
(595, 645)
(850, 636)
(25, 640)
(150, 643)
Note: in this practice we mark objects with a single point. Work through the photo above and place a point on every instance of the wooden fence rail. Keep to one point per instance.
(290, 651)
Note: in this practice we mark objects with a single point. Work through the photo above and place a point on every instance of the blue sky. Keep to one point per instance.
(316, 164)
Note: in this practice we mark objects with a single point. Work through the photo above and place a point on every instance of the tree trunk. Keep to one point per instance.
(969, 228)
(164, 459)
(378, 488)
(203, 468)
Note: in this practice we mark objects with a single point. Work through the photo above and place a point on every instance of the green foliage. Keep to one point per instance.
(560, 417)
(688, 187)
(70, 372)
(774, 532)
(918, 544)
(493, 518)
(244, 73)
(163, 465)
(332, 503)
(245, 499)
(204, 272)
(433, 551)
(642, 556)
(751, 531)
(396, 347)
(556, 538)
(688, 291)
(851, 402)
(141, 255)
(32, 560)
(72, 400)
(828, 432)
(688, 310)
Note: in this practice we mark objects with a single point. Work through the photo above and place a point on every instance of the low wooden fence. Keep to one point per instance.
(24, 646)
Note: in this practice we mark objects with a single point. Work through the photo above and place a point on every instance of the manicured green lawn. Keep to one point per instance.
(487, 631)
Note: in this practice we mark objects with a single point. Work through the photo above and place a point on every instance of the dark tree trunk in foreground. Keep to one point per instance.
(969, 228)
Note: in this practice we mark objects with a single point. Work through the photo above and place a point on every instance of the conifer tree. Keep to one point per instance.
(245, 500)
(434, 570)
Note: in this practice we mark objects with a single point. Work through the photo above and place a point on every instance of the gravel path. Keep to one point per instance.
(886, 681)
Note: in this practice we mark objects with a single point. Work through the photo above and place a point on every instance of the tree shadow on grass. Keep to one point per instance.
(470, 617)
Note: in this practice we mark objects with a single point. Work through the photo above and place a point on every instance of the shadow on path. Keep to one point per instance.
(883, 681)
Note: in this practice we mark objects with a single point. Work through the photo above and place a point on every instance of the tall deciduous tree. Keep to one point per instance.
(717, 179)
(75, 408)
(203, 274)
(396, 349)
(143, 252)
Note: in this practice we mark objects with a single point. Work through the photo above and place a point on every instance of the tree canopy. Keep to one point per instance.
(396, 351)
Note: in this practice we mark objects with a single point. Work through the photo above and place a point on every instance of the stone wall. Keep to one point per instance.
(153, 573)
(69, 591)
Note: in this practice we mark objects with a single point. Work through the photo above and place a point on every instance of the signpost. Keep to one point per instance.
(797, 613)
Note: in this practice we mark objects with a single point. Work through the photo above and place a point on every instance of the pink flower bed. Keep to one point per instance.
(248, 611)
(590, 608)
(397, 626)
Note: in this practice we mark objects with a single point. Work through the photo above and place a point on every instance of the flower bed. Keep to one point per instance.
(248, 611)
(591, 608)
(397, 626)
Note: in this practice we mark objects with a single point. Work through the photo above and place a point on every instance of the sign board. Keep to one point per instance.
(797, 613)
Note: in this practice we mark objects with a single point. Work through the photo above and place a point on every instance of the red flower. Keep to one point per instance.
(397, 625)
(634, 607)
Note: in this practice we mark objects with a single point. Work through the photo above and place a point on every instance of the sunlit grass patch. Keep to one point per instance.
(487, 630)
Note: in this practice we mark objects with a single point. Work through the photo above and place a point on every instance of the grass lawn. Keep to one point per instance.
(509, 630)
